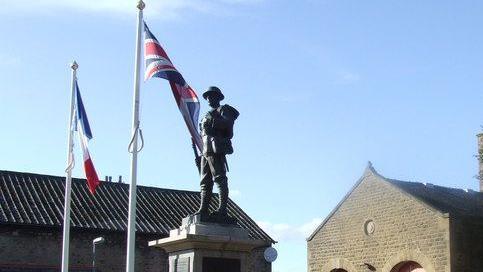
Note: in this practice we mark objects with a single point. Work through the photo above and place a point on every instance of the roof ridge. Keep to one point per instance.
(159, 209)
(446, 200)
(111, 183)
(432, 184)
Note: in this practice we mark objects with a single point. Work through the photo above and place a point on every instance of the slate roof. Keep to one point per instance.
(447, 200)
(38, 200)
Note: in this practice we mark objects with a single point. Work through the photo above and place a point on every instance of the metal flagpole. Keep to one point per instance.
(68, 179)
(133, 146)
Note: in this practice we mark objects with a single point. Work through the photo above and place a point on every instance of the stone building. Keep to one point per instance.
(389, 225)
(31, 212)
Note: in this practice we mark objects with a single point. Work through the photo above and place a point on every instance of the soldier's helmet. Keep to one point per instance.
(213, 91)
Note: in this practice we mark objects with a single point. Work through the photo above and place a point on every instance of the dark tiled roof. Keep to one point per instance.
(33, 199)
(447, 200)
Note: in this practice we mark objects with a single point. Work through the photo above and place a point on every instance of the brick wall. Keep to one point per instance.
(41, 247)
(405, 229)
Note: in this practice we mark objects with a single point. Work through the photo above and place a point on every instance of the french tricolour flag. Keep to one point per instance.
(85, 134)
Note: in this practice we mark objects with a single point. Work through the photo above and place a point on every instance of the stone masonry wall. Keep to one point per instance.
(36, 247)
(405, 229)
(467, 244)
(257, 261)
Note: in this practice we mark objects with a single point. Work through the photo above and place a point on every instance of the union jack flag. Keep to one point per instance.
(159, 65)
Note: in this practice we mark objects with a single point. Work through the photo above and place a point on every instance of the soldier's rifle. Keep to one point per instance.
(197, 156)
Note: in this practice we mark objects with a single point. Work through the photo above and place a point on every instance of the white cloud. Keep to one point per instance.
(308, 228)
(287, 232)
(6, 60)
(234, 193)
(169, 9)
(348, 77)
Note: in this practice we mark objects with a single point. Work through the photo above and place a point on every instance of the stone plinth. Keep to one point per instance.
(197, 246)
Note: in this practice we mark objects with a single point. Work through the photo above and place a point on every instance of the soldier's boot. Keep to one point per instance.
(205, 194)
(222, 196)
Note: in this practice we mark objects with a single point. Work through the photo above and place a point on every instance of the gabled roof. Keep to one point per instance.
(369, 170)
(446, 200)
(38, 200)
(441, 199)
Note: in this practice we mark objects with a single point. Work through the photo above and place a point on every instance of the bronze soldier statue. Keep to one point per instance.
(216, 132)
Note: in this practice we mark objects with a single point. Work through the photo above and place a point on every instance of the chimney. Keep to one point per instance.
(480, 160)
(120, 179)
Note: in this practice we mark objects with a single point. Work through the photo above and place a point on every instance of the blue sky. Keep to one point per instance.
(322, 87)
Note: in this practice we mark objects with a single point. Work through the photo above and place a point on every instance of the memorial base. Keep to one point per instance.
(207, 247)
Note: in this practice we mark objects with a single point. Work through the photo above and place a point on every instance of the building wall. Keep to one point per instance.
(257, 263)
(405, 229)
(467, 244)
(42, 247)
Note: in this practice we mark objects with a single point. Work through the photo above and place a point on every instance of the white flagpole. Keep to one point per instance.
(68, 179)
(131, 229)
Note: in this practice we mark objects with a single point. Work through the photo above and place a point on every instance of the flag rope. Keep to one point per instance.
(136, 132)
(71, 164)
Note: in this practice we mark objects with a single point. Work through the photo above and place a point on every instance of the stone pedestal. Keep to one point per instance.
(208, 247)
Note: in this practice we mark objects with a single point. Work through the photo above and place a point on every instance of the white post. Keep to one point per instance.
(68, 179)
(131, 228)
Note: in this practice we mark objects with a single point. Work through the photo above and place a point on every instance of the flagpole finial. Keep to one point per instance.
(74, 65)
(141, 5)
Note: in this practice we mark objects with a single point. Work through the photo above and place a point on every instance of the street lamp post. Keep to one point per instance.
(98, 240)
